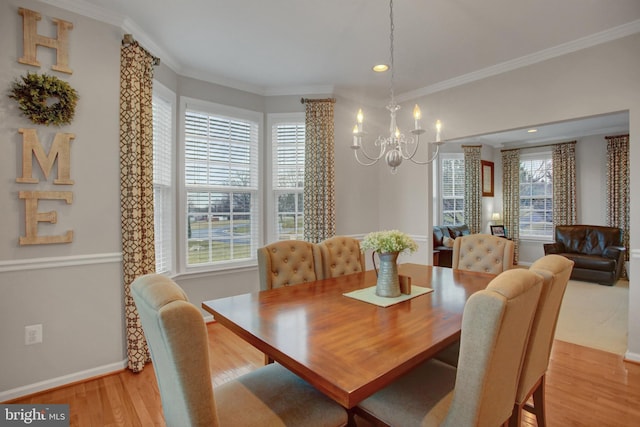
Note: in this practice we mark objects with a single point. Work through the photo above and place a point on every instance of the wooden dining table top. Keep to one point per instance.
(346, 348)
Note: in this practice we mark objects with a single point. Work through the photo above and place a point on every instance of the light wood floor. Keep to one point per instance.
(585, 387)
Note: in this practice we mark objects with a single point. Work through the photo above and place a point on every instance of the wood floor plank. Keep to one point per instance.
(585, 388)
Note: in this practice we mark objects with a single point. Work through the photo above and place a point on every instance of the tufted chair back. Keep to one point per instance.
(341, 255)
(289, 262)
(483, 253)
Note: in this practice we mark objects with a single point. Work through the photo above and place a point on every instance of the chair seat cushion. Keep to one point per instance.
(411, 398)
(273, 396)
(591, 262)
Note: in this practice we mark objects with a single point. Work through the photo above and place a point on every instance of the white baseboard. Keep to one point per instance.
(632, 357)
(61, 381)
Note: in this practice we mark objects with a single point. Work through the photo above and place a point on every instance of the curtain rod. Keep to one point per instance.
(305, 100)
(127, 39)
(617, 136)
(538, 146)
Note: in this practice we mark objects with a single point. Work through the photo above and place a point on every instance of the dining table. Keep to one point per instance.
(345, 347)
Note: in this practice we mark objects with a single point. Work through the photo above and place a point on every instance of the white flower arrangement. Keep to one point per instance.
(389, 241)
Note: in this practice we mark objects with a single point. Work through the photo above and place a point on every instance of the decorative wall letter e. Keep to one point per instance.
(33, 217)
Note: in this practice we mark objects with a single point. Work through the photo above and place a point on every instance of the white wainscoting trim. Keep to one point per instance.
(61, 381)
(56, 262)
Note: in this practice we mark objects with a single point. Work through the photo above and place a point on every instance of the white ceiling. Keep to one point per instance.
(299, 47)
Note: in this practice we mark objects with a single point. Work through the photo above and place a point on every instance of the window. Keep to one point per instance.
(536, 196)
(452, 189)
(163, 106)
(288, 141)
(221, 184)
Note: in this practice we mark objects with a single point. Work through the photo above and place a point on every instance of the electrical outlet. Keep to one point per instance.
(32, 334)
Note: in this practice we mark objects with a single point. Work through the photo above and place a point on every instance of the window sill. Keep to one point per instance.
(536, 239)
(209, 272)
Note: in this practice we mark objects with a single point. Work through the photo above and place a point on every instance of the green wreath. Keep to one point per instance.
(33, 94)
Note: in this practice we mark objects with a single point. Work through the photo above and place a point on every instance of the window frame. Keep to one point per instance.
(532, 156)
(167, 95)
(233, 113)
(439, 177)
(271, 190)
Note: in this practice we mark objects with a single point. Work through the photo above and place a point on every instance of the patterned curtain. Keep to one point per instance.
(564, 184)
(319, 185)
(511, 197)
(472, 188)
(136, 187)
(618, 200)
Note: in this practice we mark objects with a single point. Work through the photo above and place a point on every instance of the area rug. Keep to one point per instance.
(595, 316)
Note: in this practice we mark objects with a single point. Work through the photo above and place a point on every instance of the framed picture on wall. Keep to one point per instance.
(498, 230)
(487, 178)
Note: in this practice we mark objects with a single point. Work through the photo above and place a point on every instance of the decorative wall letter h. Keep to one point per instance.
(31, 41)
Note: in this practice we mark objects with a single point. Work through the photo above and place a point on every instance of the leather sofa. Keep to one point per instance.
(439, 234)
(597, 251)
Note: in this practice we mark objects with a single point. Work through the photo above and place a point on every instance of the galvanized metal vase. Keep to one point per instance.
(388, 284)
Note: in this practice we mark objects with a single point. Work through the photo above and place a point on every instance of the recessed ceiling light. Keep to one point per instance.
(532, 131)
(380, 68)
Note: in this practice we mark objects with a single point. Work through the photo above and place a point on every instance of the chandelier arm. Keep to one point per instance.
(411, 141)
(433, 157)
(373, 161)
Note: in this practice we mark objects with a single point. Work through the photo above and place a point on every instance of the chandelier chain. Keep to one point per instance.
(393, 68)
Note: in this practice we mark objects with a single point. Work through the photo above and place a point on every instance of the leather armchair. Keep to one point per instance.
(597, 251)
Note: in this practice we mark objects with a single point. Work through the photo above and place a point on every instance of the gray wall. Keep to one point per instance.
(75, 289)
(592, 81)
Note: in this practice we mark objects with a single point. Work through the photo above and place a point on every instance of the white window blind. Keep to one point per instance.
(163, 103)
(221, 183)
(536, 195)
(452, 190)
(288, 139)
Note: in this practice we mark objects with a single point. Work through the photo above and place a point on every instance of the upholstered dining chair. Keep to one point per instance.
(178, 342)
(495, 330)
(289, 262)
(483, 253)
(341, 255)
(556, 271)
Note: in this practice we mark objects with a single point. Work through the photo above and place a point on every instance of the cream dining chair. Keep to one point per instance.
(495, 330)
(178, 342)
(289, 262)
(341, 255)
(477, 252)
(556, 271)
(482, 252)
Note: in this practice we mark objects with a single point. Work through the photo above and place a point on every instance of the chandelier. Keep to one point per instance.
(397, 146)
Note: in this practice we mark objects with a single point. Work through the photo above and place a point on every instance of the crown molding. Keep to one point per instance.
(84, 8)
(524, 61)
(88, 10)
